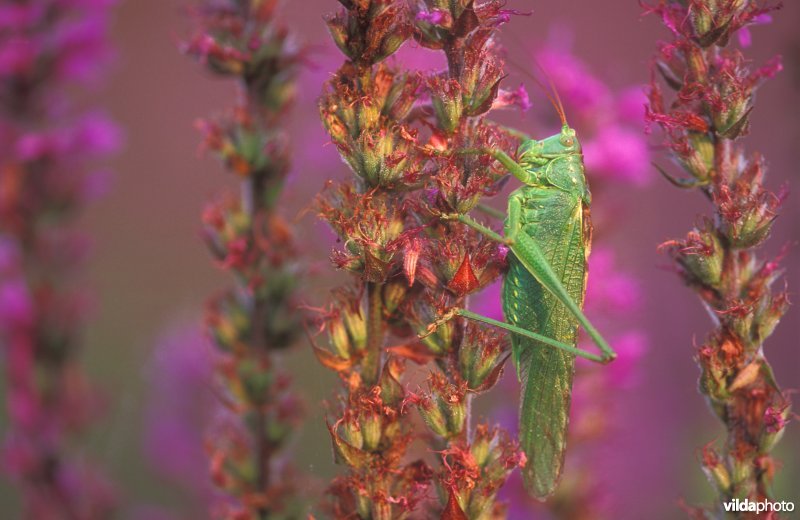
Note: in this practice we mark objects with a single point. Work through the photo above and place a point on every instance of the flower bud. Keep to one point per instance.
(394, 292)
(702, 256)
(337, 27)
(742, 469)
(339, 339)
(699, 161)
(775, 419)
(356, 324)
(479, 100)
(441, 340)
(371, 430)
(350, 432)
(733, 120)
(769, 314)
(434, 417)
(438, 340)
(345, 452)
(481, 449)
(745, 377)
(255, 380)
(364, 505)
(713, 380)
(392, 392)
(747, 211)
(369, 227)
(444, 409)
(480, 357)
(447, 103)
(369, 32)
(711, 22)
(702, 21)
(228, 322)
(715, 470)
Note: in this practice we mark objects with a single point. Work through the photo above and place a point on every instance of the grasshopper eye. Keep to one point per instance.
(567, 141)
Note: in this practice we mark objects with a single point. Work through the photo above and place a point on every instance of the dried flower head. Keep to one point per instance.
(714, 89)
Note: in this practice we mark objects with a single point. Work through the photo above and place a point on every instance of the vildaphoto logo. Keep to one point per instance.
(740, 506)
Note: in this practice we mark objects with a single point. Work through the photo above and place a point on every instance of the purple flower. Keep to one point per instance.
(487, 302)
(434, 17)
(518, 98)
(18, 55)
(97, 135)
(630, 105)
(744, 36)
(20, 15)
(610, 290)
(92, 135)
(180, 407)
(618, 153)
(624, 372)
(16, 307)
(47, 46)
(9, 257)
(577, 86)
(83, 48)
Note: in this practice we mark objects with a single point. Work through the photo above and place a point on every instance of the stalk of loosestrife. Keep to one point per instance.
(400, 134)
(50, 51)
(704, 122)
(455, 260)
(256, 319)
(366, 108)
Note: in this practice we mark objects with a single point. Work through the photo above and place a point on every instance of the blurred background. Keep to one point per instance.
(152, 273)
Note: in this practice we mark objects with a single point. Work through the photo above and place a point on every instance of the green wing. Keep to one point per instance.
(554, 219)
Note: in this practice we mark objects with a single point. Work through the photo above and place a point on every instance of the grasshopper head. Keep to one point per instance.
(555, 161)
(538, 153)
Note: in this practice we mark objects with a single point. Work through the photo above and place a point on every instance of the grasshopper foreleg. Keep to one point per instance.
(452, 313)
(532, 335)
(530, 255)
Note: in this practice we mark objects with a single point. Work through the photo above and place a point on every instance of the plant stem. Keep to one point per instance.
(371, 366)
(256, 318)
(704, 123)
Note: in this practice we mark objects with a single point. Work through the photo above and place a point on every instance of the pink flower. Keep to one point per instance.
(624, 372)
(46, 47)
(83, 48)
(18, 55)
(518, 98)
(96, 134)
(608, 289)
(434, 17)
(618, 153)
(20, 15)
(16, 307)
(745, 39)
(578, 87)
(180, 407)
(630, 105)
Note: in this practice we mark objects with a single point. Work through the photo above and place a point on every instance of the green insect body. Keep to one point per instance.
(548, 232)
(555, 214)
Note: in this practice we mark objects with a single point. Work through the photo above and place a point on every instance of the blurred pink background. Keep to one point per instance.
(150, 268)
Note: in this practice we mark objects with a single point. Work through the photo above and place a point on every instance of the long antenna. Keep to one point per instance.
(560, 108)
(551, 93)
(545, 90)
